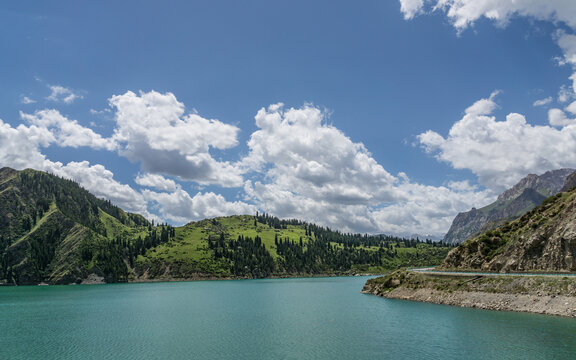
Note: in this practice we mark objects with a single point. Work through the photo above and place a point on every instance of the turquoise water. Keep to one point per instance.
(320, 318)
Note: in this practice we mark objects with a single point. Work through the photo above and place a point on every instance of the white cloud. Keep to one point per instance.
(411, 8)
(302, 167)
(62, 95)
(20, 148)
(179, 207)
(314, 159)
(67, 132)
(483, 106)
(313, 171)
(557, 117)
(100, 182)
(543, 102)
(464, 13)
(567, 43)
(571, 108)
(500, 153)
(156, 181)
(565, 94)
(152, 128)
(26, 100)
(430, 209)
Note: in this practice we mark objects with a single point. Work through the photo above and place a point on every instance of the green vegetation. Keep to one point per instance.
(262, 245)
(52, 230)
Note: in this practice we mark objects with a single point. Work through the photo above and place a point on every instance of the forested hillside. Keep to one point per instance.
(54, 231)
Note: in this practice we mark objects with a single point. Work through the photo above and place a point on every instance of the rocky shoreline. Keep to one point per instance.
(534, 294)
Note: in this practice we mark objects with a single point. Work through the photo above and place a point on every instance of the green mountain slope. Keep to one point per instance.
(54, 231)
(45, 224)
(248, 246)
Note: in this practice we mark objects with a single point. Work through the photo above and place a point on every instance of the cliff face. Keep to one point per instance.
(514, 202)
(570, 182)
(544, 239)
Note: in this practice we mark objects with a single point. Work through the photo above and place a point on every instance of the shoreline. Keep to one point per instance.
(534, 294)
(98, 280)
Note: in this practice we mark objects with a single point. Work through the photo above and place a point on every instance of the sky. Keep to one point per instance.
(372, 116)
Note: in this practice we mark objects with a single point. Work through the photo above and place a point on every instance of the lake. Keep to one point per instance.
(312, 318)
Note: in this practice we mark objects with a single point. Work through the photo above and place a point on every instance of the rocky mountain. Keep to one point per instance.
(570, 182)
(511, 204)
(544, 239)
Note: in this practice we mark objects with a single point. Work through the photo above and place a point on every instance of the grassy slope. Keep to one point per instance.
(189, 249)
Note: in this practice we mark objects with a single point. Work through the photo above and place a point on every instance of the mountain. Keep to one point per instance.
(544, 239)
(511, 204)
(54, 231)
(570, 182)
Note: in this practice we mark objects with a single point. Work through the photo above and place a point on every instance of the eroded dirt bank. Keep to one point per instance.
(534, 294)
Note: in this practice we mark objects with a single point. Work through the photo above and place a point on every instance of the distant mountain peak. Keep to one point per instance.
(512, 203)
(543, 239)
(547, 184)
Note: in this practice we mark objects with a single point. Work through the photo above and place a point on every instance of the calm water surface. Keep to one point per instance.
(321, 318)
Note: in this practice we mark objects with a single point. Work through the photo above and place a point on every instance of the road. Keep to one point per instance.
(433, 271)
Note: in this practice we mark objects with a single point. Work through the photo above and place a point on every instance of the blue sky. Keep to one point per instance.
(396, 115)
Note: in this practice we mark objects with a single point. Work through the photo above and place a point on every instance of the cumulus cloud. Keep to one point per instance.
(62, 94)
(567, 43)
(429, 209)
(156, 181)
(313, 171)
(565, 94)
(463, 13)
(502, 152)
(101, 183)
(557, 117)
(411, 8)
(153, 129)
(543, 102)
(67, 132)
(317, 160)
(179, 207)
(301, 167)
(20, 148)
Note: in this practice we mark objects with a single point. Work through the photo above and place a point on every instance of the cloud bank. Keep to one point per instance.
(297, 166)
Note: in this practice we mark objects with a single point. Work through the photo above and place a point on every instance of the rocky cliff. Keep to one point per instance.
(544, 239)
(570, 182)
(513, 203)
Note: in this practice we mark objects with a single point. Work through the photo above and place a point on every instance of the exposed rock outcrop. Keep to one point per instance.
(511, 204)
(570, 182)
(534, 294)
(544, 239)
